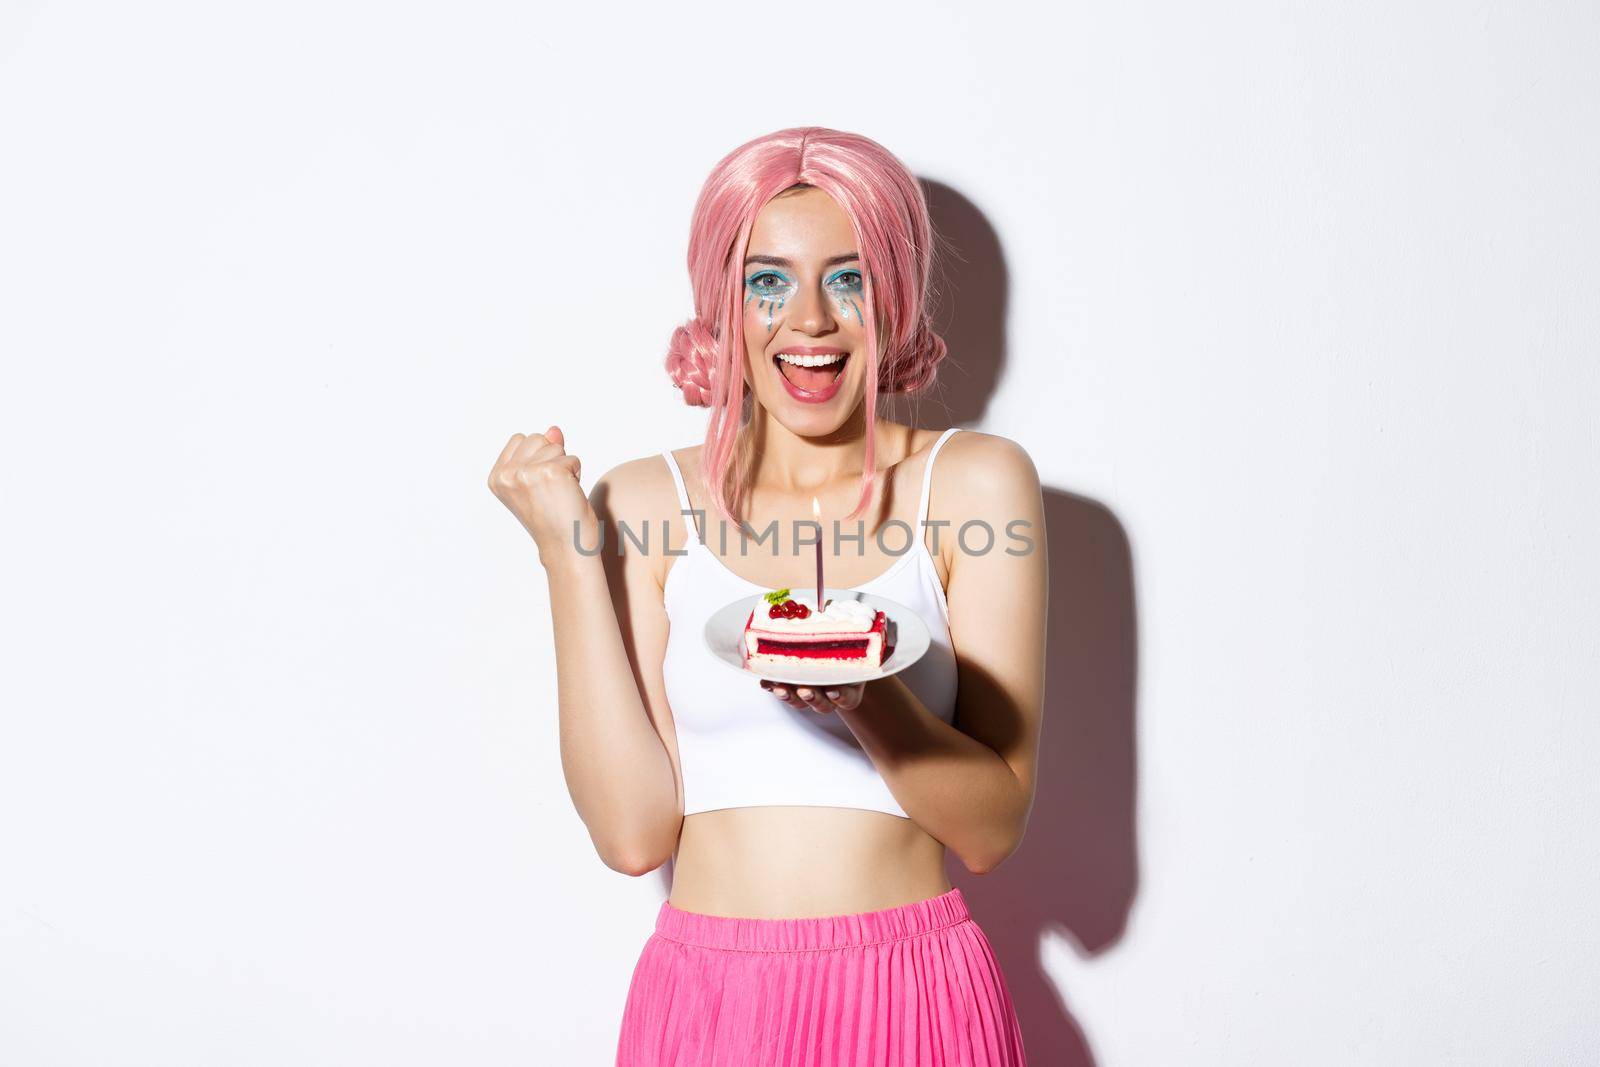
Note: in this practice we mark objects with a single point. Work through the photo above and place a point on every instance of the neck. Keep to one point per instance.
(787, 462)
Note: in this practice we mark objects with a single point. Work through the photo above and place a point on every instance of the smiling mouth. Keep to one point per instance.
(811, 379)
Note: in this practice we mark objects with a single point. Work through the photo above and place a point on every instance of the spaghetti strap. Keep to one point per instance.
(687, 512)
(927, 479)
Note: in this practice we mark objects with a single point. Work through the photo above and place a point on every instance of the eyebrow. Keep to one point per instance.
(779, 261)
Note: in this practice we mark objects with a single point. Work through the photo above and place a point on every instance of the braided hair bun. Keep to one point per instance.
(691, 355)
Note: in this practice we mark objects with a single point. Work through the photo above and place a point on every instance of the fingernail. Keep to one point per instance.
(833, 694)
(804, 694)
(780, 693)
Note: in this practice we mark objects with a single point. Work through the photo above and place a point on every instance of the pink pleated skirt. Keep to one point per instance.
(913, 985)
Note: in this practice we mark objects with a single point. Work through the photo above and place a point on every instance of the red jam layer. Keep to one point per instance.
(813, 649)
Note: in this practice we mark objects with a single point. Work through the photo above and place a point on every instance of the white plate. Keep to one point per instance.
(906, 640)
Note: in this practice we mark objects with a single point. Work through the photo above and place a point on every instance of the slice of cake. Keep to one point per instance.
(784, 632)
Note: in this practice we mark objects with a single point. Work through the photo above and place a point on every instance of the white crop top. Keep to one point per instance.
(738, 745)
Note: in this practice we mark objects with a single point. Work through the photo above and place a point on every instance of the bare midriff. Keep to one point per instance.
(776, 862)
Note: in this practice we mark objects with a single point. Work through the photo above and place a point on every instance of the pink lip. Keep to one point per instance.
(821, 396)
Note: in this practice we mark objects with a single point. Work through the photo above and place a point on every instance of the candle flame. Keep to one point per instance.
(816, 512)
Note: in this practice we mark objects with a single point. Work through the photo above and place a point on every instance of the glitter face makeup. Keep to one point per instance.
(770, 289)
(847, 288)
(805, 307)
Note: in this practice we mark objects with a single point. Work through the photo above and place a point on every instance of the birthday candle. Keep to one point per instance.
(816, 513)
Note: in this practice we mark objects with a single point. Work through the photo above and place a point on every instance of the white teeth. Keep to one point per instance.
(821, 360)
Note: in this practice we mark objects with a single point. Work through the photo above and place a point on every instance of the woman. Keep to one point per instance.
(810, 919)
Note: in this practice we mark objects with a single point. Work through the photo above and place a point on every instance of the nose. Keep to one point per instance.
(811, 312)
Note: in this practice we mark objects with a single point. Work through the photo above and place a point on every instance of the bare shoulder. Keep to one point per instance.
(640, 493)
(987, 471)
(634, 488)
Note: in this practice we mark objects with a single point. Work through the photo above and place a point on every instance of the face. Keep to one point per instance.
(804, 313)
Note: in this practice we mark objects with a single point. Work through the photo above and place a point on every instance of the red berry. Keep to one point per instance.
(802, 611)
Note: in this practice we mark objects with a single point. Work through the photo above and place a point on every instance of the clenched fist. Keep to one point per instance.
(538, 481)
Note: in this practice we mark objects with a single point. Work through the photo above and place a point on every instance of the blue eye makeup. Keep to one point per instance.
(770, 289)
(847, 280)
(847, 288)
(770, 285)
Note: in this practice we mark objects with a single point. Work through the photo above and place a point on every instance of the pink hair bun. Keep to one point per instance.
(691, 354)
(917, 366)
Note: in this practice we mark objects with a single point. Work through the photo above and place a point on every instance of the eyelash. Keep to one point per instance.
(765, 290)
(750, 283)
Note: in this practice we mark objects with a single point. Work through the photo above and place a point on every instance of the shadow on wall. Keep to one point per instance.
(1077, 871)
(970, 288)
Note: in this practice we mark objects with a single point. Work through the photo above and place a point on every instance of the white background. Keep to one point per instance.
(1296, 308)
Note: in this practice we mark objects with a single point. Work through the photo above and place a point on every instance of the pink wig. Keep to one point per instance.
(889, 214)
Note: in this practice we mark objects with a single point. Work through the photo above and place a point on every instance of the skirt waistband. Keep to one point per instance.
(820, 932)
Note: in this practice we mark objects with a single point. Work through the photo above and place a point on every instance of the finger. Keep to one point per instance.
(511, 447)
(502, 465)
(556, 436)
(788, 696)
(813, 699)
(846, 697)
(536, 448)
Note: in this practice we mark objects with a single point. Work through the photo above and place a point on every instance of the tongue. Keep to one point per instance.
(811, 379)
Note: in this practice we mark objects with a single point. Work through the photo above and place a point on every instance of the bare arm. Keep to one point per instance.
(970, 783)
(621, 776)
